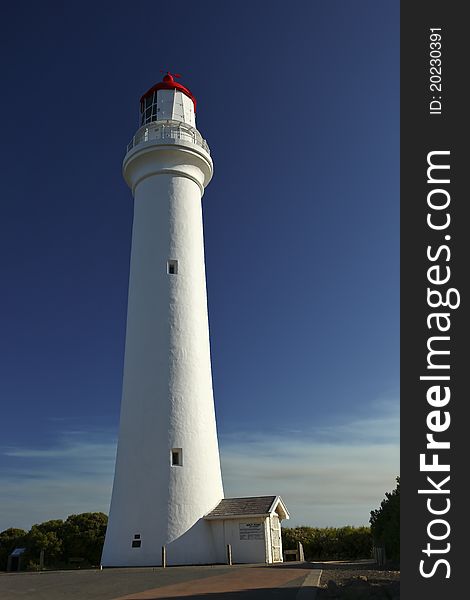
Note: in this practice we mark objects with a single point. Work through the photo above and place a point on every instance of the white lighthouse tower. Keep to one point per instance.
(167, 473)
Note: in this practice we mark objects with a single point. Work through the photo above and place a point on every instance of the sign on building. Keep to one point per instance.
(251, 531)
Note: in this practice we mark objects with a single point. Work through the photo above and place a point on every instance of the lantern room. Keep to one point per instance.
(168, 100)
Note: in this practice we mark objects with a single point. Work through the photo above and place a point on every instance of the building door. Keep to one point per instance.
(276, 539)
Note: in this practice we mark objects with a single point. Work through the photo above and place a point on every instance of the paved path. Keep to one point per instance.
(240, 582)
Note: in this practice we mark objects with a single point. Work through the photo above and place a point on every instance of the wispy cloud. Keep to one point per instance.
(70, 450)
(73, 475)
(327, 474)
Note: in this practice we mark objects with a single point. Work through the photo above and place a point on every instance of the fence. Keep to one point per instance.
(168, 130)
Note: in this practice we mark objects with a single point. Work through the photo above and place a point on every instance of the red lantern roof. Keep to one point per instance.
(169, 83)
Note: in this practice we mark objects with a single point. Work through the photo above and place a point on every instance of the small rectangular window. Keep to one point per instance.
(177, 457)
(172, 267)
(136, 543)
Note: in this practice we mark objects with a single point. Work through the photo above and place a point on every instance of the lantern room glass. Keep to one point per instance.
(149, 109)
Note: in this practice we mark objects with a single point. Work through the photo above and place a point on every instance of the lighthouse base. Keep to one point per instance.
(250, 526)
(195, 547)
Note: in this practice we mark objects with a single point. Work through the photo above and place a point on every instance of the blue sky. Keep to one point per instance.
(299, 103)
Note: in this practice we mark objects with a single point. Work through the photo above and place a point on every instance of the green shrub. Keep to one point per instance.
(76, 541)
(83, 537)
(385, 524)
(45, 537)
(329, 543)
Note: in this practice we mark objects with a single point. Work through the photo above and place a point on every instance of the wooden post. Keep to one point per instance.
(229, 554)
(164, 557)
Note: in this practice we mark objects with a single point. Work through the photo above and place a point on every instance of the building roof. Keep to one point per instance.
(253, 506)
(169, 83)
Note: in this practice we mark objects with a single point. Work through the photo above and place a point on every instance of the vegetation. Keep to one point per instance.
(77, 541)
(330, 543)
(385, 524)
(9, 540)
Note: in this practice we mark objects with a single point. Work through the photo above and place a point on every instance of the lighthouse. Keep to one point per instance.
(167, 474)
(167, 494)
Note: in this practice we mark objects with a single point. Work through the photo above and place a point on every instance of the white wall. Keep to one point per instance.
(227, 531)
(176, 106)
(167, 399)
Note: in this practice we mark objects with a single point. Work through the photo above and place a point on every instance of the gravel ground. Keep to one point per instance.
(358, 579)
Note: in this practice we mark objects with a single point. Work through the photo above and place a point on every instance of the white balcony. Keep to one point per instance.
(168, 130)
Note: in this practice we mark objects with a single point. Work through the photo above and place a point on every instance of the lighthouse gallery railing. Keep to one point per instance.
(173, 130)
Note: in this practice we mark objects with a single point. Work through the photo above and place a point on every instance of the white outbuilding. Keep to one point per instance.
(250, 526)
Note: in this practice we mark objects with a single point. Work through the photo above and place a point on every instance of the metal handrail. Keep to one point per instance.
(173, 130)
